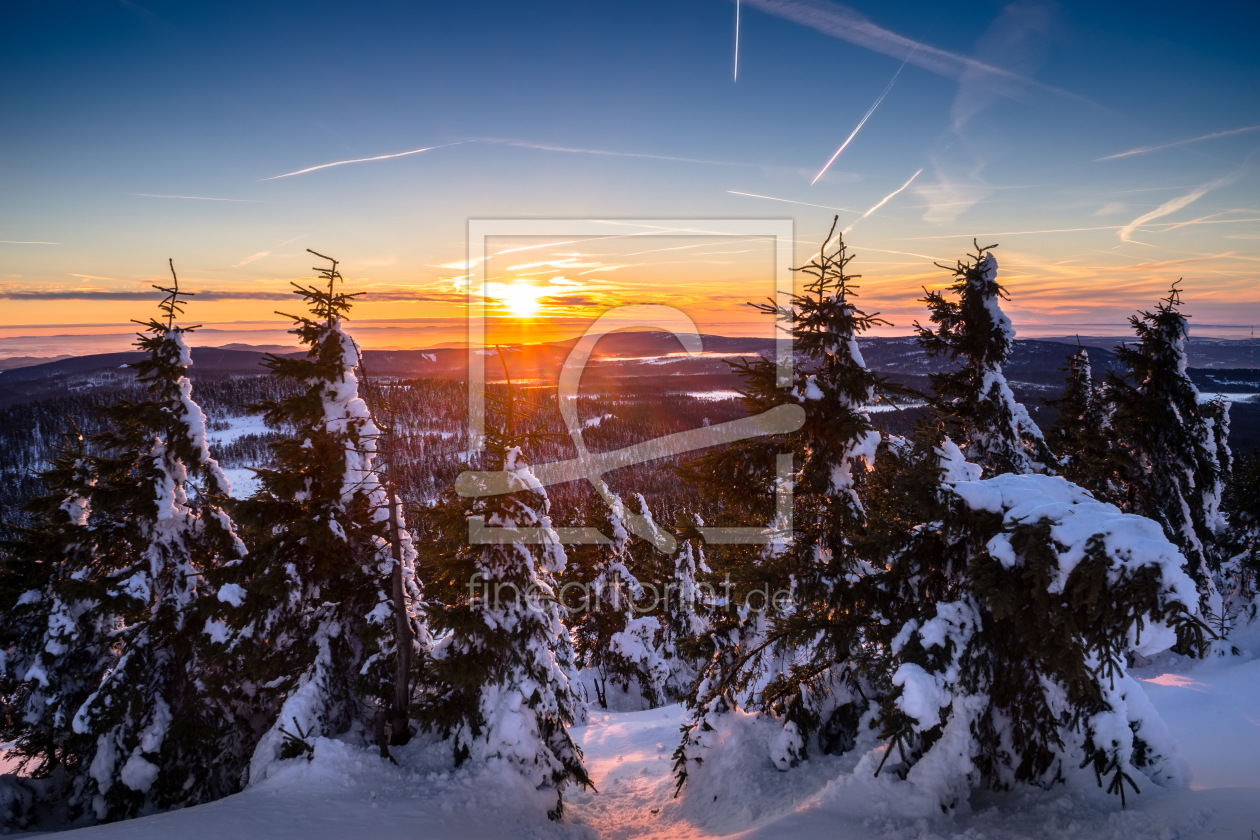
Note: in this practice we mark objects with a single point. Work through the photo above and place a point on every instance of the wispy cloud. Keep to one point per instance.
(360, 160)
(850, 25)
(1146, 150)
(198, 198)
(1173, 205)
(884, 200)
(955, 191)
(251, 258)
(26, 242)
(225, 295)
(1016, 41)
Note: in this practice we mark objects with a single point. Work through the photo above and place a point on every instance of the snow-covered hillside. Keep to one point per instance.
(1213, 708)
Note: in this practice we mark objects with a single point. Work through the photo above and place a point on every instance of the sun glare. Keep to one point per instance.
(521, 299)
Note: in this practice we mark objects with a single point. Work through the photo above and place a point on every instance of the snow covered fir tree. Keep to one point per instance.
(794, 661)
(915, 609)
(975, 402)
(55, 652)
(1172, 449)
(315, 631)
(499, 682)
(127, 564)
(989, 611)
(612, 643)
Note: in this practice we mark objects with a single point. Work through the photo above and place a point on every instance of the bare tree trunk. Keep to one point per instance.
(398, 718)
(401, 728)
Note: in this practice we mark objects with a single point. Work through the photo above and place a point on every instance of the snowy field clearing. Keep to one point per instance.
(244, 482)
(238, 428)
(1213, 708)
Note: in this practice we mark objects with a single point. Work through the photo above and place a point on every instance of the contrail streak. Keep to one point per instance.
(25, 242)
(884, 201)
(358, 160)
(197, 198)
(544, 147)
(1142, 150)
(858, 128)
(1173, 205)
(520, 144)
(790, 201)
(736, 78)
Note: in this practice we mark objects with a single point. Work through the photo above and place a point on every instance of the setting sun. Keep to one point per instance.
(521, 299)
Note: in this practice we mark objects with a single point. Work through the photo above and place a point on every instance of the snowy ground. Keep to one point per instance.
(1212, 707)
(238, 427)
(244, 483)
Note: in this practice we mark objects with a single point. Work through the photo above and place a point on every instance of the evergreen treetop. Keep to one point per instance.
(1172, 452)
(974, 400)
(321, 613)
(160, 540)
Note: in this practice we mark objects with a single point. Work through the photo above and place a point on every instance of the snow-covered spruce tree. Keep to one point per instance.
(54, 651)
(783, 642)
(1240, 572)
(610, 641)
(498, 679)
(410, 633)
(687, 602)
(1170, 445)
(974, 399)
(1012, 604)
(1081, 434)
(318, 630)
(165, 733)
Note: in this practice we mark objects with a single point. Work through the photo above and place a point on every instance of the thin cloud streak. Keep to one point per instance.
(1145, 150)
(92, 294)
(546, 147)
(520, 144)
(1164, 225)
(791, 201)
(251, 258)
(26, 242)
(198, 198)
(1173, 205)
(360, 160)
(884, 201)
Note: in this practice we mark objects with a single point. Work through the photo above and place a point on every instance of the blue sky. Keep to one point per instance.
(574, 110)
